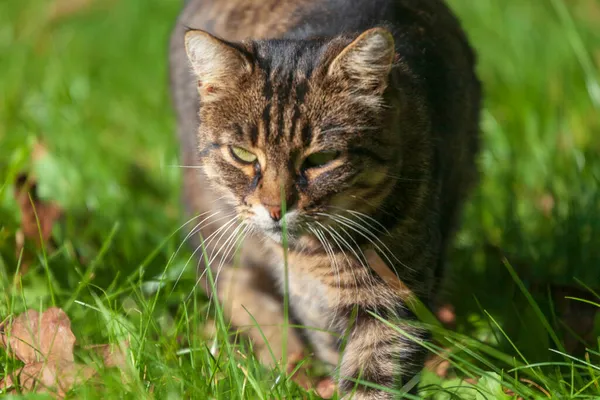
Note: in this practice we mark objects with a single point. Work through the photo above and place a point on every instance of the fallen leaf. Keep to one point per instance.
(33, 337)
(45, 342)
(55, 377)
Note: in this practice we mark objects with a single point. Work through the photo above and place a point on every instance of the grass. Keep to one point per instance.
(92, 86)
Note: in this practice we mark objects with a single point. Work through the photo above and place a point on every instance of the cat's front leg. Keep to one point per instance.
(378, 353)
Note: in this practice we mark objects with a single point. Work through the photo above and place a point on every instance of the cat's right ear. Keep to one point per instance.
(217, 64)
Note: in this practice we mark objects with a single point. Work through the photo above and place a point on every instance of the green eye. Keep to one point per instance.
(316, 160)
(242, 154)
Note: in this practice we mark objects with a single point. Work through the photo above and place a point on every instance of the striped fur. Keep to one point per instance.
(386, 89)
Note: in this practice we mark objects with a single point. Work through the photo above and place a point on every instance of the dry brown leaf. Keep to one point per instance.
(44, 342)
(33, 338)
(56, 378)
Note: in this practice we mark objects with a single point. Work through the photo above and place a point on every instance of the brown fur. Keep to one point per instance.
(385, 90)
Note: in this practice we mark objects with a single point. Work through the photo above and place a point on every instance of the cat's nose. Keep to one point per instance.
(274, 212)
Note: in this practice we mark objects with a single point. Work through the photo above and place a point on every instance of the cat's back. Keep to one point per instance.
(236, 20)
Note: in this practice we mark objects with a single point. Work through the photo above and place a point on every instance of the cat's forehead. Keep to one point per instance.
(288, 114)
(289, 102)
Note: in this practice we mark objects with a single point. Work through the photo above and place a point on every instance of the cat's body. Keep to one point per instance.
(370, 137)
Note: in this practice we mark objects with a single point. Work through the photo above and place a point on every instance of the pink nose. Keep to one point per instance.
(274, 212)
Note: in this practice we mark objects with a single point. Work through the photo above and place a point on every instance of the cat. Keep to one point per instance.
(320, 138)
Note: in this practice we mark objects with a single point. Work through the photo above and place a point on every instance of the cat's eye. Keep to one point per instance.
(242, 155)
(317, 160)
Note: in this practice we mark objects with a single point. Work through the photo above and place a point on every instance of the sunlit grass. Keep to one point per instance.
(92, 87)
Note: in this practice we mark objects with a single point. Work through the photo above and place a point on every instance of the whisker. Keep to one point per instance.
(362, 217)
(362, 259)
(223, 229)
(226, 243)
(196, 228)
(202, 224)
(188, 235)
(233, 245)
(185, 166)
(331, 256)
(348, 264)
(221, 232)
(361, 230)
(369, 203)
(205, 242)
(332, 231)
(193, 231)
(403, 179)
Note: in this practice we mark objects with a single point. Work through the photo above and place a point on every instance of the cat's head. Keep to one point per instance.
(307, 123)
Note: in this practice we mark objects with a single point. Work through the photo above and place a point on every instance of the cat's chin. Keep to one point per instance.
(277, 235)
(291, 237)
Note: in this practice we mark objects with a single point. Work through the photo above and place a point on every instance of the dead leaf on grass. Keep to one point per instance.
(54, 377)
(36, 338)
(45, 342)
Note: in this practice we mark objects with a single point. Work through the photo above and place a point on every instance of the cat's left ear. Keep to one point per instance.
(367, 60)
(217, 64)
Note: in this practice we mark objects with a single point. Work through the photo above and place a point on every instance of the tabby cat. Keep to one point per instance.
(344, 131)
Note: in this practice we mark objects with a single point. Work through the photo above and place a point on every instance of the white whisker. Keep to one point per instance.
(348, 263)
(231, 245)
(362, 259)
(361, 230)
(204, 244)
(331, 256)
(185, 166)
(196, 229)
(362, 217)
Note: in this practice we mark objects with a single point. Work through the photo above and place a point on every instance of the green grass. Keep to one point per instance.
(93, 87)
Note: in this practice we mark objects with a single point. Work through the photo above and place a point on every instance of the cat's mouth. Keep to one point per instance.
(282, 229)
(281, 232)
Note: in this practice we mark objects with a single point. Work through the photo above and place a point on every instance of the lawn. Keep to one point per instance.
(89, 86)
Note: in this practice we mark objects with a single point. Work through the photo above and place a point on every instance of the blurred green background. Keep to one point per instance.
(88, 79)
